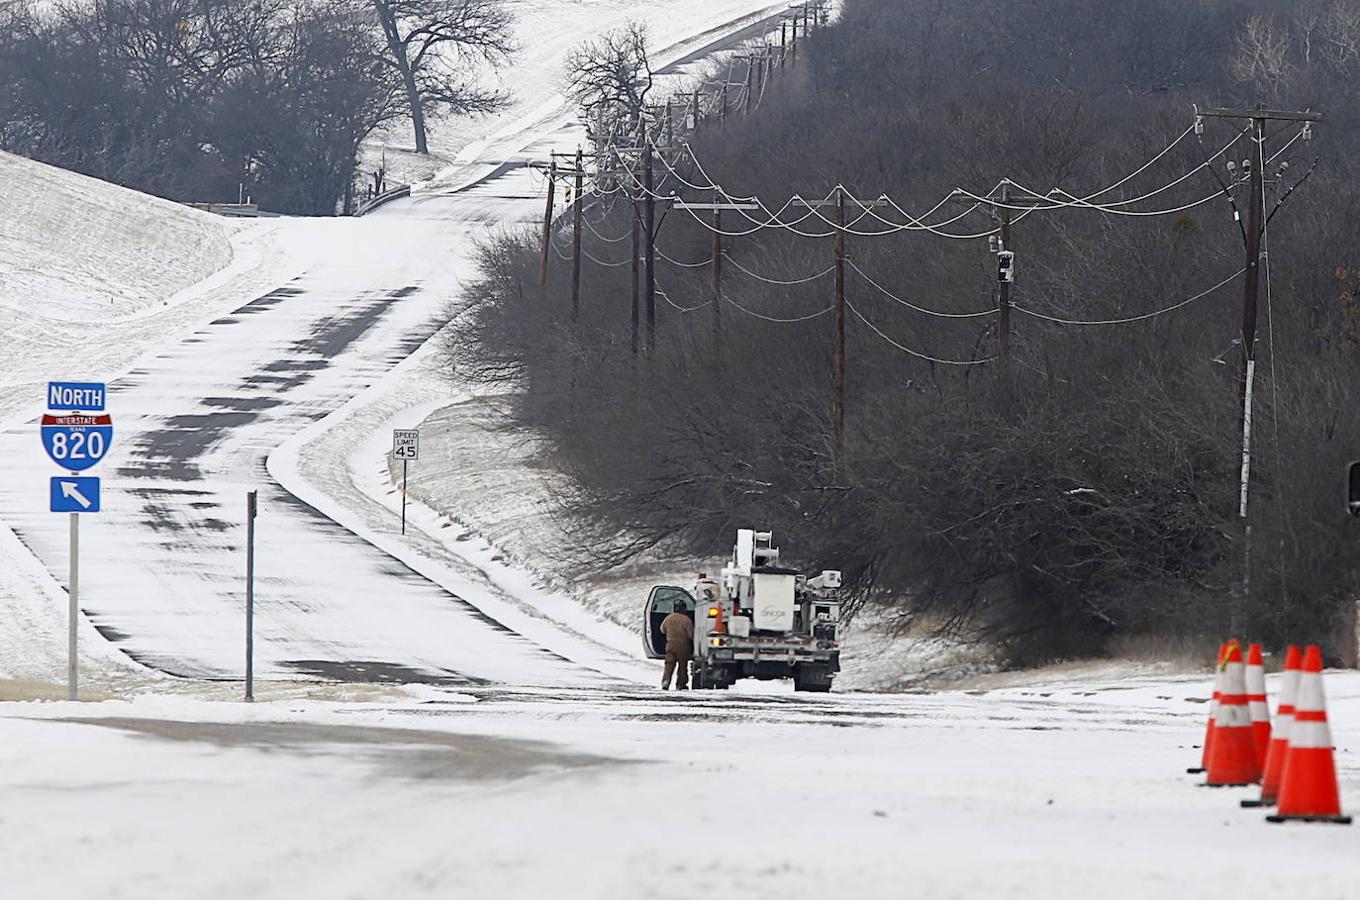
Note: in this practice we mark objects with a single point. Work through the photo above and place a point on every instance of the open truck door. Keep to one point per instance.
(661, 603)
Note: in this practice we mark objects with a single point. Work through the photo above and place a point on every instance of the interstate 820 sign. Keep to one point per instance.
(77, 441)
(78, 438)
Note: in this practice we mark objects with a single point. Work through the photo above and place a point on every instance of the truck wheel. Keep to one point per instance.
(813, 680)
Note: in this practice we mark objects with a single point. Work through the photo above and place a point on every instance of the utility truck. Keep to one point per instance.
(763, 621)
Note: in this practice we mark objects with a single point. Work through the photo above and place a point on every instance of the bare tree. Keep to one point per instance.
(609, 78)
(1263, 53)
(430, 44)
(1341, 37)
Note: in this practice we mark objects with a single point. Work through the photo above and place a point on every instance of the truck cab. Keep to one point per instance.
(661, 603)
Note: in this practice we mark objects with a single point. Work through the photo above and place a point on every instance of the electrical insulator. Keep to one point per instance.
(1199, 124)
(1005, 266)
(1232, 167)
(1246, 166)
(993, 243)
(1307, 132)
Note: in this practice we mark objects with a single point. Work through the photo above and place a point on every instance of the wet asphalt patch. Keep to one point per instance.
(391, 752)
(375, 672)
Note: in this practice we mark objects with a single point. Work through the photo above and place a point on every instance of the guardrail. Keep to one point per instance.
(238, 210)
(396, 193)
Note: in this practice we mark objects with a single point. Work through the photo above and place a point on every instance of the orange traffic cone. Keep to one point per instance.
(1279, 738)
(1256, 702)
(1232, 760)
(1213, 710)
(1308, 791)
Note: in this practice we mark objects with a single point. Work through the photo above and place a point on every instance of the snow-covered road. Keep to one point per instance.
(196, 423)
(1069, 789)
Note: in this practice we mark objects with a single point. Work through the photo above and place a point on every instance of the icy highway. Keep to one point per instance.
(196, 424)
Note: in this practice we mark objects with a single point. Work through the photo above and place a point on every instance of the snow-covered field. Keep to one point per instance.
(1055, 791)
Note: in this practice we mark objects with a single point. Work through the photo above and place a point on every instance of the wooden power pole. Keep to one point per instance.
(547, 228)
(578, 206)
(838, 363)
(1258, 118)
(649, 233)
(1004, 202)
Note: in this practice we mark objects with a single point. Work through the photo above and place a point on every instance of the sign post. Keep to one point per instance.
(251, 507)
(73, 611)
(76, 437)
(405, 447)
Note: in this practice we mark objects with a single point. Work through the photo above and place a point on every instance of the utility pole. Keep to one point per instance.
(716, 208)
(717, 268)
(1003, 337)
(649, 227)
(576, 238)
(1250, 295)
(783, 42)
(696, 109)
(722, 108)
(547, 228)
(637, 254)
(1003, 204)
(750, 76)
(838, 364)
(838, 356)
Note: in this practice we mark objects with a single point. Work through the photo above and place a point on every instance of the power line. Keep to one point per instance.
(1126, 320)
(777, 319)
(916, 353)
(921, 309)
(756, 275)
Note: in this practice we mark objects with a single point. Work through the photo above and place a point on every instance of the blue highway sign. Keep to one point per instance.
(76, 441)
(82, 395)
(75, 495)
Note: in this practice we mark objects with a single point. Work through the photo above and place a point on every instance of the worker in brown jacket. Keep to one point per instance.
(679, 631)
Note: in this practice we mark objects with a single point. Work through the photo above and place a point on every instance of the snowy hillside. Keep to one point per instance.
(80, 249)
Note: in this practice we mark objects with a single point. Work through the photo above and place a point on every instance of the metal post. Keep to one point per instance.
(251, 506)
(404, 463)
(73, 612)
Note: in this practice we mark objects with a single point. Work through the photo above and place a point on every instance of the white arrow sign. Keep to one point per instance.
(71, 491)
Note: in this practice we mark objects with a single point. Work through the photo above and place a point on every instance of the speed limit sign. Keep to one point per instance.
(405, 443)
